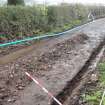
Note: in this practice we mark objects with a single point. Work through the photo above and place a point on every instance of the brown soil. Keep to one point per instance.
(13, 79)
(7, 50)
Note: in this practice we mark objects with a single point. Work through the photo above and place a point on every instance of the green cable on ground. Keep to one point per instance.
(24, 40)
(39, 37)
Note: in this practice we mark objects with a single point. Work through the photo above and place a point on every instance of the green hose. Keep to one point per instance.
(39, 37)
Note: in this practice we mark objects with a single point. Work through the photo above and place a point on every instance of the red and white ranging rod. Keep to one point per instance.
(43, 88)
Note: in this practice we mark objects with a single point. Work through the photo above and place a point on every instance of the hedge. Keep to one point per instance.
(17, 22)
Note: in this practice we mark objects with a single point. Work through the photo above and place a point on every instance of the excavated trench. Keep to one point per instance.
(72, 88)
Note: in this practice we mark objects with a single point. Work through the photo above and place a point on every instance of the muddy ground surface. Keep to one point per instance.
(10, 49)
(39, 65)
(54, 65)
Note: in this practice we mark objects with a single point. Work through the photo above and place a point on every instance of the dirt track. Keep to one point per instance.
(55, 64)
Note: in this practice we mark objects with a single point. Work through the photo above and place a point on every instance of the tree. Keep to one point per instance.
(16, 2)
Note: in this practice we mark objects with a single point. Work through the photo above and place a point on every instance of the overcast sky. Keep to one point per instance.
(59, 1)
(69, 1)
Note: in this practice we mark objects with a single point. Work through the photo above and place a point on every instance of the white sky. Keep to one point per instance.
(59, 1)
(72, 1)
(81, 1)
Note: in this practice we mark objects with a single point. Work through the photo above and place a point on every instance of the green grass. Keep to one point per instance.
(93, 97)
(102, 73)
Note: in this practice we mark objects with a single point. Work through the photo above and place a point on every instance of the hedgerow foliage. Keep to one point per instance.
(22, 21)
(15, 2)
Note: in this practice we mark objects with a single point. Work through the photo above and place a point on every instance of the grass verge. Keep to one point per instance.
(93, 91)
